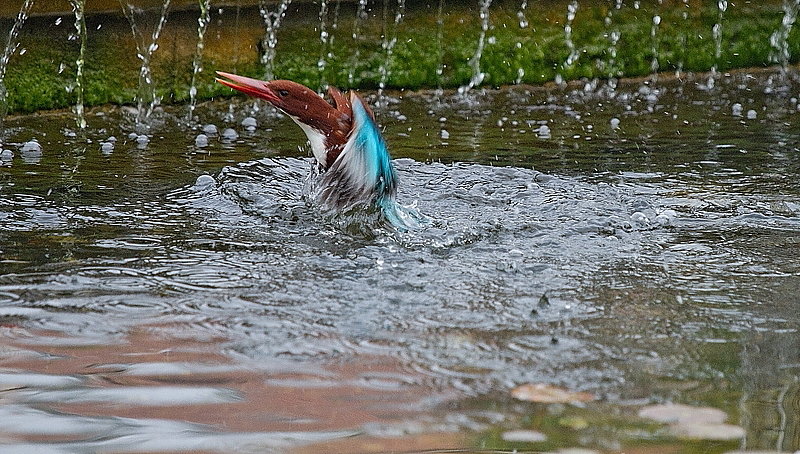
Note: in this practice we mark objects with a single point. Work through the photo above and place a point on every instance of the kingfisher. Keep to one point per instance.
(345, 141)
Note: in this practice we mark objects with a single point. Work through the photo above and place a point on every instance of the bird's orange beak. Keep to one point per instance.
(252, 87)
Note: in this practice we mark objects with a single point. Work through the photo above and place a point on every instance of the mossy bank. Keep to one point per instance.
(431, 49)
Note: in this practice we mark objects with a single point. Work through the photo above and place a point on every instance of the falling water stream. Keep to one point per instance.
(272, 23)
(780, 38)
(475, 61)
(146, 99)
(390, 40)
(716, 32)
(78, 8)
(197, 61)
(572, 10)
(324, 38)
(10, 48)
(360, 17)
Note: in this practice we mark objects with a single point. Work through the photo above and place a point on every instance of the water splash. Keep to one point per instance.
(11, 47)
(146, 99)
(475, 61)
(716, 32)
(388, 46)
(361, 15)
(197, 62)
(272, 23)
(780, 38)
(572, 58)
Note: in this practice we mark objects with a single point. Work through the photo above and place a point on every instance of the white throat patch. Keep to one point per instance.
(316, 139)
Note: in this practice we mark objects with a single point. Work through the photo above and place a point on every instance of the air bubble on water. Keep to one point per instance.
(204, 182)
(249, 123)
(133, 136)
(201, 140)
(736, 110)
(142, 140)
(111, 139)
(230, 134)
(210, 130)
(666, 218)
(31, 152)
(445, 134)
(442, 119)
(640, 218)
(544, 132)
(752, 114)
(615, 123)
(6, 155)
(106, 147)
(31, 146)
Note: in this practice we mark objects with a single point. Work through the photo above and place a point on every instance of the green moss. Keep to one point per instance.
(534, 54)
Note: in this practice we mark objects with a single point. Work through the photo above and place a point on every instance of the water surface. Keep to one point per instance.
(640, 247)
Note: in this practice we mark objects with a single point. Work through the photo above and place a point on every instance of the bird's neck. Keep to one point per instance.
(317, 139)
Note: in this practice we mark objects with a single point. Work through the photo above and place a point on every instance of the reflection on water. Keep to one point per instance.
(638, 244)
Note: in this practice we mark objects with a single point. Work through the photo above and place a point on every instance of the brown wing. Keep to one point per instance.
(340, 102)
(336, 141)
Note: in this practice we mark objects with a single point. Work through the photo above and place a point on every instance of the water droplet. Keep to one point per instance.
(544, 132)
(201, 140)
(204, 182)
(229, 134)
(249, 123)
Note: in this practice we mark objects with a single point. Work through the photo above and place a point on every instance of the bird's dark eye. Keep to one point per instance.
(283, 93)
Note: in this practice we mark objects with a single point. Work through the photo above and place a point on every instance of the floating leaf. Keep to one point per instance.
(548, 394)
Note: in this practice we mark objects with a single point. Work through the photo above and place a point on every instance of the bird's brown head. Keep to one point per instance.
(292, 98)
(326, 125)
